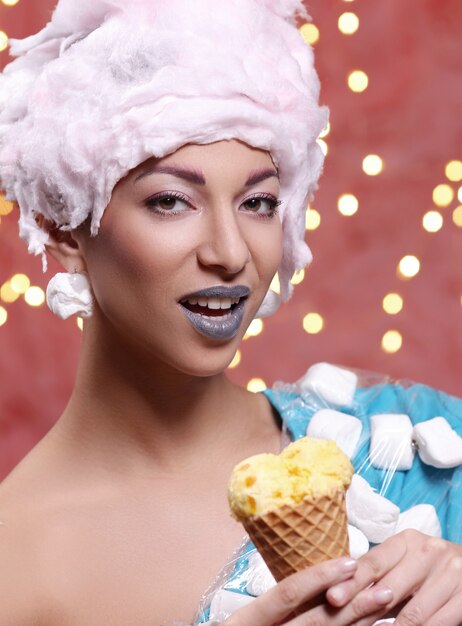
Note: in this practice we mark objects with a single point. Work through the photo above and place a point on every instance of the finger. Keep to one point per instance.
(449, 615)
(371, 568)
(292, 592)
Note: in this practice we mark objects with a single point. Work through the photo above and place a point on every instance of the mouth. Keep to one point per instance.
(216, 312)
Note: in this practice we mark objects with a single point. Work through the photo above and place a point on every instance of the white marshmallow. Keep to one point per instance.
(373, 514)
(334, 385)
(260, 577)
(391, 442)
(225, 603)
(342, 428)
(437, 443)
(421, 517)
(359, 544)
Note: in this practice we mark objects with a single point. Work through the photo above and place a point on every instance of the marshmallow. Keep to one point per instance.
(260, 577)
(373, 514)
(333, 384)
(422, 517)
(225, 603)
(359, 544)
(342, 428)
(437, 443)
(391, 442)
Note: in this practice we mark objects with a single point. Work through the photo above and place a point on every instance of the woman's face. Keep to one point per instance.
(186, 251)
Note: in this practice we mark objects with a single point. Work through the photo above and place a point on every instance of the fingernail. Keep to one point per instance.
(348, 565)
(337, 594)
(383, 596)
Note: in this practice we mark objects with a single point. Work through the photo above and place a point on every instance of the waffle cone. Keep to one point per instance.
(293, 538)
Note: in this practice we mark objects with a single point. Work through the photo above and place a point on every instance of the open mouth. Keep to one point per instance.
(216, 312)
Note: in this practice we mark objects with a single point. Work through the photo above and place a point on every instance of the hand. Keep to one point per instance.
(423, 575)
(275, 606)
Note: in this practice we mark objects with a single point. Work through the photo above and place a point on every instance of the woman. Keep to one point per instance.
(168, 174)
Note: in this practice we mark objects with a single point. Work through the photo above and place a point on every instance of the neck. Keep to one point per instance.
(130, 412)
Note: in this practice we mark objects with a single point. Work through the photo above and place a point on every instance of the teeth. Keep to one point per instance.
(213, 303)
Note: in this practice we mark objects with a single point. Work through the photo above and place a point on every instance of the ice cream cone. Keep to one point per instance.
(292, 538)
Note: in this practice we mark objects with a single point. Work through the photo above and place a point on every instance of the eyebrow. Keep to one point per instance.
(196, 177)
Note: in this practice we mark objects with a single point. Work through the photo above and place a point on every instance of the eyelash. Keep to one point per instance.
(151, 203)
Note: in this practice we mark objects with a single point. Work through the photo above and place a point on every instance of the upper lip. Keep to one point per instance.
(219, 291)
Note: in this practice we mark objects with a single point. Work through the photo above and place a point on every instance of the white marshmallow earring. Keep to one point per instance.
(271, 303)
(70, 294)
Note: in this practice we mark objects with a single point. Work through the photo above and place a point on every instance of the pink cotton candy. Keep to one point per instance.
(109, 83)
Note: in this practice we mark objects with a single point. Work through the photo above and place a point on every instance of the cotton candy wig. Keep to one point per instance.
(108, 84)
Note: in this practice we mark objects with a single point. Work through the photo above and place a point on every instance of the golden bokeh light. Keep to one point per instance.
(392, 303)
(20, 283)
(6, 207)
(358, 81)
(7, 293)
(409, 266)
(34, 296)
(443, 195)
(310, 33)
(3, 41)
(432, 221)
(313, 323)
(236, 360)
(459, 194)
(326, 131)
(275, 284)
(79, 321)
(348, 23)
(3, 315)
(298, 277)
(256, 385)
(348, 204)
(10, 3)
(457, 216)
(323, 145)
(392, 341)
(255, 328)
(312, 219)
(372, 165)
(453, 171)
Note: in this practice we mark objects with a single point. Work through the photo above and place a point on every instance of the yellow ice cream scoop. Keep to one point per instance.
(307, 468)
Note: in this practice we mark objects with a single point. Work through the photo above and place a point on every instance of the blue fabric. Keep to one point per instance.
(421, 484)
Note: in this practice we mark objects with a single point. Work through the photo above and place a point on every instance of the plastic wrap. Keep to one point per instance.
(405, 442)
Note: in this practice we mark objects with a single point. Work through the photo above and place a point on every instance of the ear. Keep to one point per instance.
(63, 246)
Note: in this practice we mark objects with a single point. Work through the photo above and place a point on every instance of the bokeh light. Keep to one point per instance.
(459, 194)
(3, 41)
(326, 131)
(432, 221)
(453, 171)
(34, 296)
(20, 283)
(254, 329)
(256, 385)
(392, 341)
(443, 195)
(409, 266)
(313, 323)
(7, 293)
(6, 206)
(312, 219)
(79, 323)
(10, 3)
(323, 145)
(310, 33)
(3, 315)
(275, 284)
(358, 81)
(457, 216)
(348, 23)
(372, 165)
(236, 360)
(392, 303)
(298, 277)
(348, 204)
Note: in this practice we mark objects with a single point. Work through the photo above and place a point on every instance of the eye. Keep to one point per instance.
(168, 203)
(264, 205)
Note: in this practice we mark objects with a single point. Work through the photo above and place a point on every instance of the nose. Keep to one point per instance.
(223, 246)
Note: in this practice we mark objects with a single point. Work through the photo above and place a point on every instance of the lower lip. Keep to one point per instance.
(217, 327)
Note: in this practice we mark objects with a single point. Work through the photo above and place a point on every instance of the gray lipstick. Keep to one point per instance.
(224, 326)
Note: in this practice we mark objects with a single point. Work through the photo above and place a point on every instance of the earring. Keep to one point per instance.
(70, 294)
(271, 303)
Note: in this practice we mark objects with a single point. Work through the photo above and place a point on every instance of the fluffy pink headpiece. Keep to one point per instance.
(109, 83)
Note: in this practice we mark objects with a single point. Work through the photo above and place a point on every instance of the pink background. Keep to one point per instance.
(411, 116)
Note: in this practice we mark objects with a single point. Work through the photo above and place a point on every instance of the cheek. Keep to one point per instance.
(266, 250)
